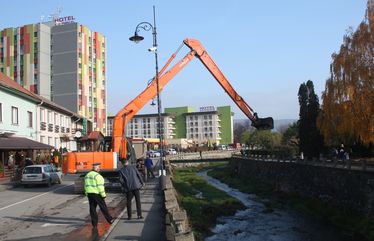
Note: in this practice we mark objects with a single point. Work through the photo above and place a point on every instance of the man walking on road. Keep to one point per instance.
(95, 191)
(131, 181)
(148, 163)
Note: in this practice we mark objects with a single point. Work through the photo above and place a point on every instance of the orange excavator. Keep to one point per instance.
(120, 149)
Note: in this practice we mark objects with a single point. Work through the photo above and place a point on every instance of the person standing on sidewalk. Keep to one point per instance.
(148, 163)
(132, 182)
(95, 192)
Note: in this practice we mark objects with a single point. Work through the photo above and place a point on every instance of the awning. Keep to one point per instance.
(21, 143)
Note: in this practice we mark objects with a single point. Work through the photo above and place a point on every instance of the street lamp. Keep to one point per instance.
(137, 38)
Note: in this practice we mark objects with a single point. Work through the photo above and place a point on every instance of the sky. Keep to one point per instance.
(266, 49)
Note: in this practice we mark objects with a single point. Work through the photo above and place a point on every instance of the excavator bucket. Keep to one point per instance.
(263, 123)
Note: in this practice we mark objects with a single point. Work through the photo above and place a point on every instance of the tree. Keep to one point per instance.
(310, 138)
(291, 136)
(263, 139)
(239, 129)
(347, 109)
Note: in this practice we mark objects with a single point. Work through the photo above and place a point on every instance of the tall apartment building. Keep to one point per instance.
(60, 60)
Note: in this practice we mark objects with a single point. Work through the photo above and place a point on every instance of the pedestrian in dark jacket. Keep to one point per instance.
(148, 163)
(131, 181)
(28, 162)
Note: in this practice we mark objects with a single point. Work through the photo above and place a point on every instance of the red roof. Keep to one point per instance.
(95, 135)
(8, 82)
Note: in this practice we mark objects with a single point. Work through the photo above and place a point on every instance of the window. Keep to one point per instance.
(42, 117)
(49, 115)
(42, 139)
(1, 112)
(50, 141)
(14, 115)
(29, 116)
(55, 119)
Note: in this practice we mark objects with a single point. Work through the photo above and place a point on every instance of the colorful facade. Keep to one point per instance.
(25, 57)
(63, 62)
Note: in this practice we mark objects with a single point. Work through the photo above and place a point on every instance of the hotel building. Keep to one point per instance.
(62, 61)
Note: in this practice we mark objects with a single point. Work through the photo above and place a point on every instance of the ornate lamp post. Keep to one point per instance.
(137, 38)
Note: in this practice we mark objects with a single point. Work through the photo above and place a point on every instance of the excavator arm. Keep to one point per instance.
(124, 116)
(201, 53)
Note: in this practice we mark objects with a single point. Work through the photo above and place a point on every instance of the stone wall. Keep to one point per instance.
(177, 226)
(338, 186)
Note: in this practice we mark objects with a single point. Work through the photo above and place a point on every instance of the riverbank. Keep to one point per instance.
(351, 225)
(203, 203)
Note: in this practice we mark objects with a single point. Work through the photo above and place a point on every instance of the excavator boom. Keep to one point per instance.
(124, 116)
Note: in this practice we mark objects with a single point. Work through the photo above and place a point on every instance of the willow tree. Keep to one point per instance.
(348, 100)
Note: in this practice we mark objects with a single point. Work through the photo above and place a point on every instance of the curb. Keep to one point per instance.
(8, 186)
(114, 224)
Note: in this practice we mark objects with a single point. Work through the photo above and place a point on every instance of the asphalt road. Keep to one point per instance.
(46, 213)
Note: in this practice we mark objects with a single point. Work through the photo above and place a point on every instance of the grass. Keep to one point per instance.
(203, 203)
(349, 223)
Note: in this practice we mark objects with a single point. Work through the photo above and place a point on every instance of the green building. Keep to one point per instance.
(208, 125)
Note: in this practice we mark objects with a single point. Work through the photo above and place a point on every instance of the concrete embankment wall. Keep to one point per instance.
(176, 220)
(338, 186)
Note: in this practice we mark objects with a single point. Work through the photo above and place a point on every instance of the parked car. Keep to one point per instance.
(40, 174)
(172, 151)
(153, 153)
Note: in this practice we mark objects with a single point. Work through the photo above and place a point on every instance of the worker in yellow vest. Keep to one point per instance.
(95, 191)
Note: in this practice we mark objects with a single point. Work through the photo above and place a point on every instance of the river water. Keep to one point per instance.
(255, 224)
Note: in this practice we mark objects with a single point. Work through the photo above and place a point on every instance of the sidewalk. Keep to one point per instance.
(6, 184)
(151, 227)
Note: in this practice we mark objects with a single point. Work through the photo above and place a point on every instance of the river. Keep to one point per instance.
(256, 224)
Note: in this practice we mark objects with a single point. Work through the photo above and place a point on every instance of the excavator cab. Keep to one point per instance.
(263, 123)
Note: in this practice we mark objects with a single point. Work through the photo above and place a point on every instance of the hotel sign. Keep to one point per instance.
(64, 20)
(207, 108)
